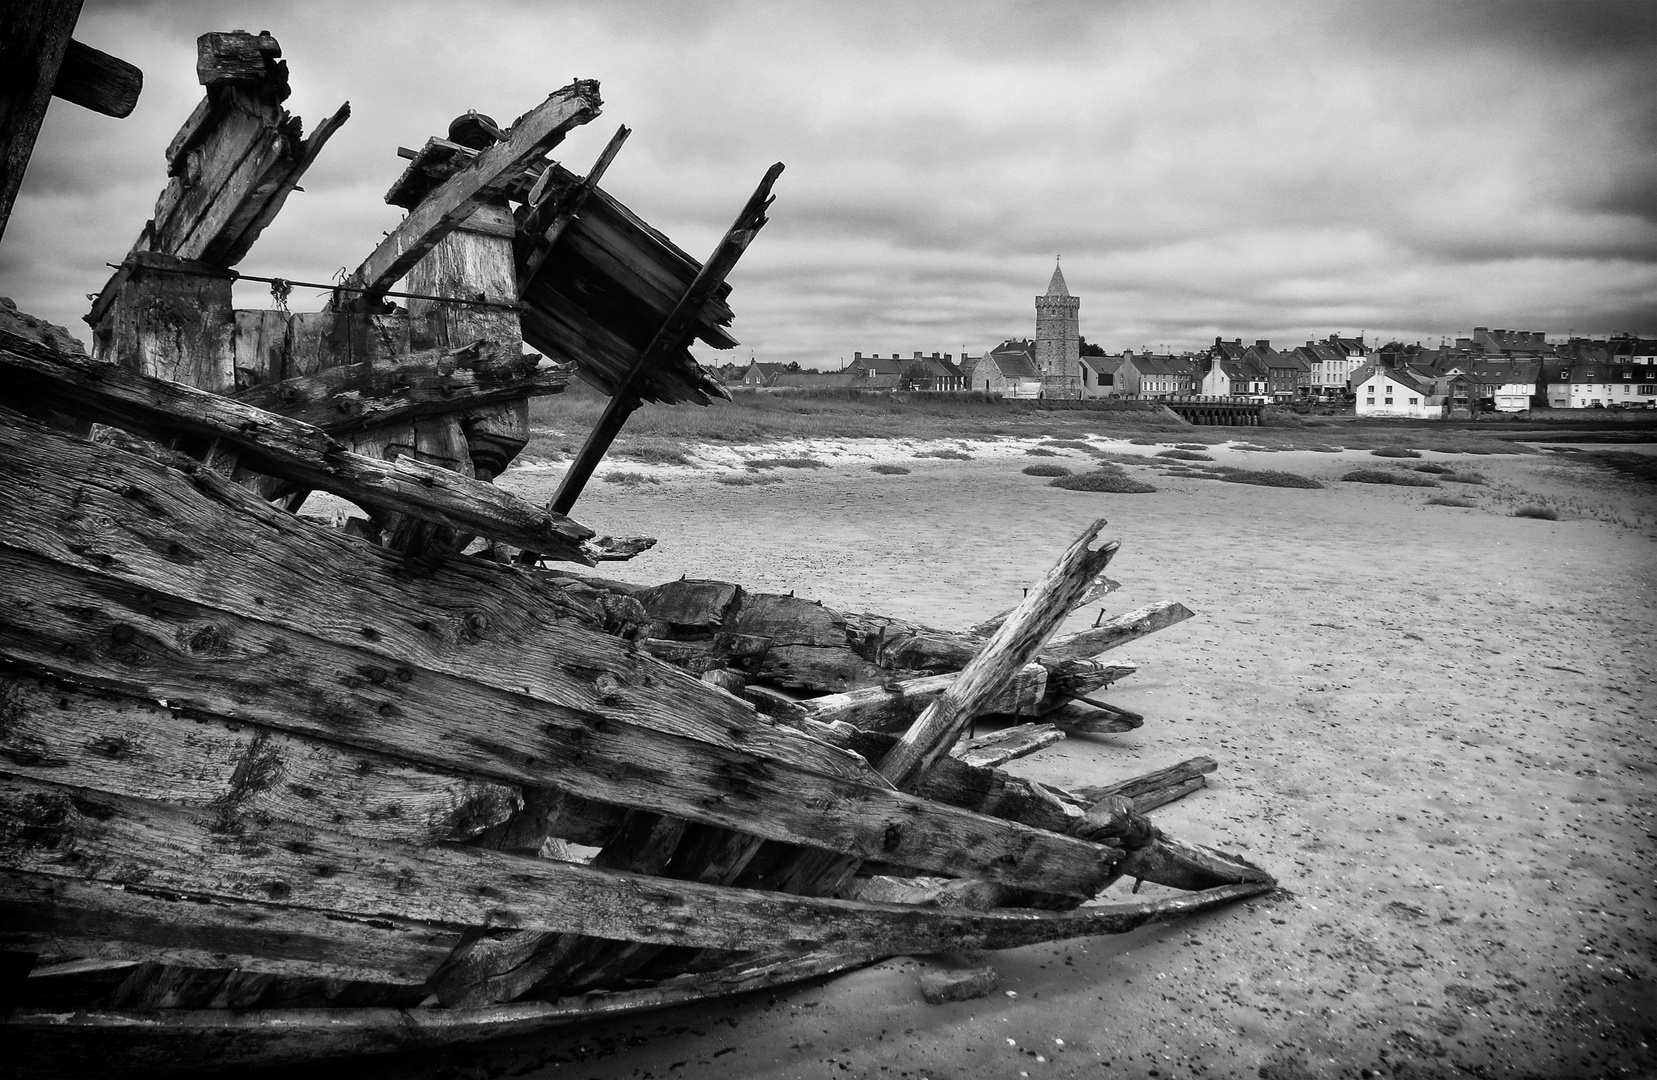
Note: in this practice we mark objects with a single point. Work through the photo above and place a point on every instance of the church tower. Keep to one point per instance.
(1058, 339)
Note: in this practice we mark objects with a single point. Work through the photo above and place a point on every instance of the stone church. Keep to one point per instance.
(1049, 366)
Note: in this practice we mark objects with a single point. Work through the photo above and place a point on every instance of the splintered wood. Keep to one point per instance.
(274, 790)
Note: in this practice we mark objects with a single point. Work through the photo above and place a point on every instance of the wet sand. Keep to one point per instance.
(1435, 725)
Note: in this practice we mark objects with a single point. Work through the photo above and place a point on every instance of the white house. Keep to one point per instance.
(1390, 392)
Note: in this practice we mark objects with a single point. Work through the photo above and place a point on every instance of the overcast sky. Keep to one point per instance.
(1254, 170)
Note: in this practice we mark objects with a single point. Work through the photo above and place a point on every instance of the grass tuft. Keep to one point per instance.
(748, 480)
(1183, 455)
(1143, 442)
(949, 455)
(1046, 470)
(1068, 444)
(1395, 451)
(1267, 478)
(1384, 476)
(1450, 500)
(1541, 513)
(631, 479)
(1197, 446)
(1433, 467)
(890, 470)
(1467, 478)
(785, 463)
(654, 455)
(1110, 479)
(1040, 451)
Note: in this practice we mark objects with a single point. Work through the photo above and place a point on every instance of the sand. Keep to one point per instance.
(1433, 724)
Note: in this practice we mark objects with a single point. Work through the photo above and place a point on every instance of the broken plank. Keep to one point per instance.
(893, 706)
(1079, 718)
(1118, 631)
(73, 735)
(547, 219)
(1148, 783)
(55, 915)
(182, 851)
(285, 448)
(441, 212)
(98, 81)
(1021, 740)
(356, 396)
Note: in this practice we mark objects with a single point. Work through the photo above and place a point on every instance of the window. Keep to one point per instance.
(1649, 389)
(1415, 401)
(1389, 401)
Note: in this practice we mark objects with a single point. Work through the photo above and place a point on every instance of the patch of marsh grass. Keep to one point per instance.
(1110, 479)
(1450, 500)
(1183, 455)
(784, 463)
(631, 479)
(1541, 513)
(1046, 470)
(948, 455)
(1395, 451)
(885, 469)
(1386, 476)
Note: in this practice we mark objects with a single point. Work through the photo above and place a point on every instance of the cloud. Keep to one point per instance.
(1278, 170)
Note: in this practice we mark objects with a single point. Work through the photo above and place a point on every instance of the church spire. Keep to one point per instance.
(1056, 287)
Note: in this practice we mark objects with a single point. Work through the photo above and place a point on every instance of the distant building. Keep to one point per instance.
(1099, 375)
(1619, 373)
(1150, 375)
(1396, 392)
(1058, 339)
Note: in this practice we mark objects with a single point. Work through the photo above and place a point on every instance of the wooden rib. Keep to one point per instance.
(188, 851)
(445, 209)
(669, 338)
(34, 36)
(1152, 782)
(285, 448)
(1086, 718)
(71, 735)
(356, 396)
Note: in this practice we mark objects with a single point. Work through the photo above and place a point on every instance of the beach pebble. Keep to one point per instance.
(938, 987)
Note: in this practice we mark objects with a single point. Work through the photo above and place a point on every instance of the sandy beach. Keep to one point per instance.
(1434, 725)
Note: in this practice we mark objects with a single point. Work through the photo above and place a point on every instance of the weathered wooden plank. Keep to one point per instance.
(285, 448)
(34, 35)
(180, 849)
(1117, 632)
(895, 705)
(357, 396)
(1079, 718)
(549, 214)
(988, 751)
(57, 916)
(532, 135)
(1151, 782)
(259, 347)
(98, 81)
(669, 338)
(181, 1039)
(266, 193)
(72, 735)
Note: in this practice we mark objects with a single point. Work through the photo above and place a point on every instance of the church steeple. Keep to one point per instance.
(1056, 287)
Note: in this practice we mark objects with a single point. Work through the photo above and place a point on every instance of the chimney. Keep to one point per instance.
(1262, 343)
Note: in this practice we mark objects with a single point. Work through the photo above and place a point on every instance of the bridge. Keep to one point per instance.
(1218, 411)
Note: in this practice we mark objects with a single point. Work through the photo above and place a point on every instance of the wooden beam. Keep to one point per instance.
(1017, 741)
(353, 397)
(186, 851)
(532, 135)
(1116, 632)
(34, 36)
(285, 448)
(668, 340)
(98, 81)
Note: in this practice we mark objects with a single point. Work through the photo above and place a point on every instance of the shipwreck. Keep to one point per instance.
(272, 790)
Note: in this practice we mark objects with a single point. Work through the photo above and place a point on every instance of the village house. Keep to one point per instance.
(1148, 375)
(1288, 377)
(758, 374)
(1513, 343)
(1397, 393)
(816, 380)
(1620, 373)
(1508, 385)
(1008, 369)
(1099, 375)
(1228, 372)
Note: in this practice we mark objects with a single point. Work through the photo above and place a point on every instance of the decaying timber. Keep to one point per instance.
(272, 790)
